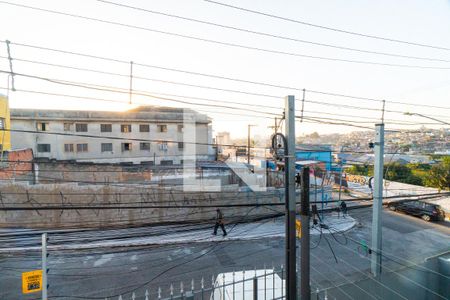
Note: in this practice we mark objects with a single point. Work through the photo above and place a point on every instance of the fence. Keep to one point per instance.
(269, 284)
(263, 284)
(254, 284)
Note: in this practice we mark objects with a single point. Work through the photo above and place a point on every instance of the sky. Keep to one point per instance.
(425, 22)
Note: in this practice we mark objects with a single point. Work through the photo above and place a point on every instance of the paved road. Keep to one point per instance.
(91, 274)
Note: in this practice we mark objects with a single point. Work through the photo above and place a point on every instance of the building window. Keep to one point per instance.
(43, 148)
(144, 128)
(162, 128)
(180, 128)
(82, 147)
(126, 147)
(42, 127)
(180, 145)
(68, 147)
(166, 162)
(145, 146)
(107, 147)
(2, 123)
(81, 127)
(125, 128)
(162, 146)
(68, 126)
(106, 127)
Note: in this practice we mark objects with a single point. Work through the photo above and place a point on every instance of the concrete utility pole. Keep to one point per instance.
(44, 266)
(248, 143)
(377, 200)
(305, 289)
(291, 280)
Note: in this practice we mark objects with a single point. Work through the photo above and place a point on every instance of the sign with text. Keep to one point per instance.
(31, 281)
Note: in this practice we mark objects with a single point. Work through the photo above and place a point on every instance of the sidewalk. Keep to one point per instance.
(250, 231)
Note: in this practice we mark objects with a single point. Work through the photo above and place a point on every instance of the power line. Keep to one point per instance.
(122, 138)
(361, 107)
(194, 73)
(93, 86)
(123, 91)
(328, 28)
(314, 120)
(136, 102)
(141, 93)
(222, 43)
(267, 34)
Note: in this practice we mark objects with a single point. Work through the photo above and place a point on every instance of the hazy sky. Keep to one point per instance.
(426, 22)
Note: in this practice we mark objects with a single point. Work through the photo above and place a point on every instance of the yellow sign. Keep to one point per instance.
(298, 226)
(31, 281)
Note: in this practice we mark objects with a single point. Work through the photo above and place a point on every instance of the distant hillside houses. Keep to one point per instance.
(388, 158)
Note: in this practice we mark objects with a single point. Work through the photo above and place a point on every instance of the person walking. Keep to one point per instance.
(219, 222)
(343, 207)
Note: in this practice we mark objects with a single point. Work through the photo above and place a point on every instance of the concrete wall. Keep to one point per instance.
(94, 153)
(68, 195)
(57, 136)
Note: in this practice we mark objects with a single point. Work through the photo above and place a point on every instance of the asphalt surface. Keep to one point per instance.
(101, 273)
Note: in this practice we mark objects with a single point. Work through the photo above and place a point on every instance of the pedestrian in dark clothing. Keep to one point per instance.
(343, 208)
(219, 222)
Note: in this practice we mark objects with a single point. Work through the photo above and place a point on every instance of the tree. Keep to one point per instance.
(314, 135)
(358, 170)
(439, 175)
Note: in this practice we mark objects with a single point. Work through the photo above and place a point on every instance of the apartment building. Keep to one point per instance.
(146, 134)
(5, 135)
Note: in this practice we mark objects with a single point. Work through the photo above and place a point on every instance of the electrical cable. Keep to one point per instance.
(265, 33)
(222, 43)
(326, 27)
(198, 74)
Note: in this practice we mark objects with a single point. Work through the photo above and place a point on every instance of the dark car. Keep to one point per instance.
(427, 211)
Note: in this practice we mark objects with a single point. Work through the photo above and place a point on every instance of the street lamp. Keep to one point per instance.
(424, 116)
(248, 142)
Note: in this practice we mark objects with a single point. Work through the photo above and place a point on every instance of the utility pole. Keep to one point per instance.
(44, 266)
(130, 93)
(305, 289)
(340, 182)
(377, 200)
(291, 280)
(248, 143)
(275, 126)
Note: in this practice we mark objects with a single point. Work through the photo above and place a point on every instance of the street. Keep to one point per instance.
(110, 272)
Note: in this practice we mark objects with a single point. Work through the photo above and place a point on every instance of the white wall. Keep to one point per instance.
(30, 140)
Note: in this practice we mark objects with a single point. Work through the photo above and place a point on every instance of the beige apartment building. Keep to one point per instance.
(146, 134)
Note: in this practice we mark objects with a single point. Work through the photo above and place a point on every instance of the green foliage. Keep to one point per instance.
(358, 170)
(439, 175)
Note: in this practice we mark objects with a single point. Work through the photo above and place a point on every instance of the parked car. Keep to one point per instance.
(426, 211)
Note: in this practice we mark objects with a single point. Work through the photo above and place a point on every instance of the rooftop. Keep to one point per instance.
(141, 113)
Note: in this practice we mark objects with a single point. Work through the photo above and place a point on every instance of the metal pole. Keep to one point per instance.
(340, 182)
(291, 282)
(131, 83)
(305, 289)
(248, 144)
(303, 105)
(377, 200)
(255, 288)
(44, 266)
